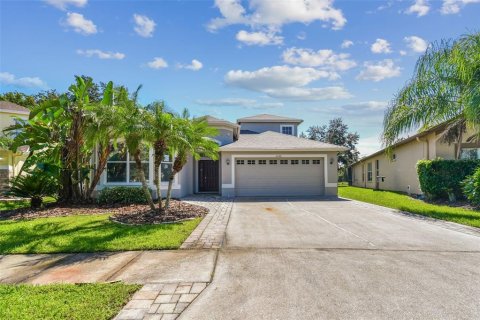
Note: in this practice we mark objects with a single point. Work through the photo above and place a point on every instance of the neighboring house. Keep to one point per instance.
(10, 162)
(258, 156)
(398, 172)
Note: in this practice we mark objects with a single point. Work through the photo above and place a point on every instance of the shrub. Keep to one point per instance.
(471, 188)
(442, 179)
(124, 195)
(34, 185)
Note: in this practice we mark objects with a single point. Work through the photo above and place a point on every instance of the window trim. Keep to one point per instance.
(273, 162)
(305, 161)
(287, 126)
(294, 162)
(283, 161)
(369, 172)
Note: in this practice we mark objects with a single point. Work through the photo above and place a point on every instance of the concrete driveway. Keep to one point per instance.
(339, 259)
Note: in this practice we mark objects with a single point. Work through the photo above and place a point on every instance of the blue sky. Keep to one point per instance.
(315, 59)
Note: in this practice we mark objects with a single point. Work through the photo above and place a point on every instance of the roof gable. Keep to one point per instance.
(275, 141)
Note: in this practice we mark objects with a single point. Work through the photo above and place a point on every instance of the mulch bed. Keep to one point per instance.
(126, 214)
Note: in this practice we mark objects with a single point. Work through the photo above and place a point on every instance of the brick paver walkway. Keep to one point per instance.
(161, 301)
(211, 231)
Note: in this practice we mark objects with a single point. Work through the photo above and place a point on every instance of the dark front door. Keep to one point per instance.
(207, 176)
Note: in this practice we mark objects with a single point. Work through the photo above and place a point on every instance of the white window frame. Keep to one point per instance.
(287, 126)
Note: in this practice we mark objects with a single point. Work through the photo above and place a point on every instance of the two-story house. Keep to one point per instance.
(10, 162)
(258, 156)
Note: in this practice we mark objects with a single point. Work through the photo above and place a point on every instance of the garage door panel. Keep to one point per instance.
(279, 179)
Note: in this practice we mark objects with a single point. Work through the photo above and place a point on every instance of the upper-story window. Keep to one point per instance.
(287, 129)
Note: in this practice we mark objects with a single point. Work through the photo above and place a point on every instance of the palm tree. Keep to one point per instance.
(445, 89)
(196, 141)
(133, 129)
(163, 133)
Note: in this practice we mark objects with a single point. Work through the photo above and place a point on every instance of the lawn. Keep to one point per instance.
(405, 203)
(17, 204)
(64, 301)
(88, 233)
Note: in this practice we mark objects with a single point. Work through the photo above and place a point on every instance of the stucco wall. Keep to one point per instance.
(262, 127)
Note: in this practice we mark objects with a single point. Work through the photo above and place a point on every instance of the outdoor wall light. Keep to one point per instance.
(228, 162)
(331, 160)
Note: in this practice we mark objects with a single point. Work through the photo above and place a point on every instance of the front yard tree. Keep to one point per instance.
(444, 89)
(133, 127)
(337, 133)
(196, 141)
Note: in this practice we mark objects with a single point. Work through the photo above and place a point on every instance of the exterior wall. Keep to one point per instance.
(227, 182)
(260, 127)
(400, 174)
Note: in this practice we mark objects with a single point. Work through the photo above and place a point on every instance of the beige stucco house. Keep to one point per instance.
(398, 172)
(258, 156)
(10, 162)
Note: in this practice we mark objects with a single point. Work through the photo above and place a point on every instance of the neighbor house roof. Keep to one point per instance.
(436, 129)
(268, 118)
(10, 107)
(217, 121)
(275, 141)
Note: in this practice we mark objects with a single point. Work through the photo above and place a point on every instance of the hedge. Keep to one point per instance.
(124, 195)
(442, 179)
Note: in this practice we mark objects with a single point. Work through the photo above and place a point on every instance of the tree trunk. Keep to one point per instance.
(36, 202)
(141, 176)
(459, 145)
(65, 194)
(159, 148)
(169, 191)
(102, 163)
(178, 164)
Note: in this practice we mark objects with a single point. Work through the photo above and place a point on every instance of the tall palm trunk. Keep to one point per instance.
(159, 148)
(459, 144)
(178, 164)
(102, 163)
(141, 176)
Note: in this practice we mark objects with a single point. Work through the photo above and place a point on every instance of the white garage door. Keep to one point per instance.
(279, 177)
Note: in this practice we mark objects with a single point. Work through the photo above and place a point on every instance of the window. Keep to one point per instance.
(283, 161)
(377, 168)
(316, 161)
(166, 168)
(240, 161)
(293, 161)
(121, 166)
(262, 161)
(273, 161)
(363, 173)
(305, 161)
(470, 153)
(251, 162)
(369, 171)
(287, 130)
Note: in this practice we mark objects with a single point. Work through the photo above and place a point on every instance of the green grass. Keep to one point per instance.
(64, 301)
(88, 233)
(405, 203)
(17, 204)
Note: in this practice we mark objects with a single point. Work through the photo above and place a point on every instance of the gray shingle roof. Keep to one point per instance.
(10, 106)
(268, 118)
(275, 141)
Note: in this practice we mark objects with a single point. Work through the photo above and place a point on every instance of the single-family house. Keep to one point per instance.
(258, 156)
(10, 162)
(398, 172)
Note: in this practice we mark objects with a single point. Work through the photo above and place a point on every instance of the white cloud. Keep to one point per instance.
(79, 24)
(157, 63)
(379, 71)
(144, 26)
(195, 65)
(355, 109)
(302, 35)
(327, 59)
(381, 46)
(259, 38)
(454, 6)
(402, 52)
(419, 7)
(63, 4)
(274, 14)
(346, 44)
(286, 82)
(416, 44)
(7, 78)
(101, 54)
(369, 145)
(240, 102)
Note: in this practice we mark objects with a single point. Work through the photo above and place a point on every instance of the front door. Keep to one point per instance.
(207, 176)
